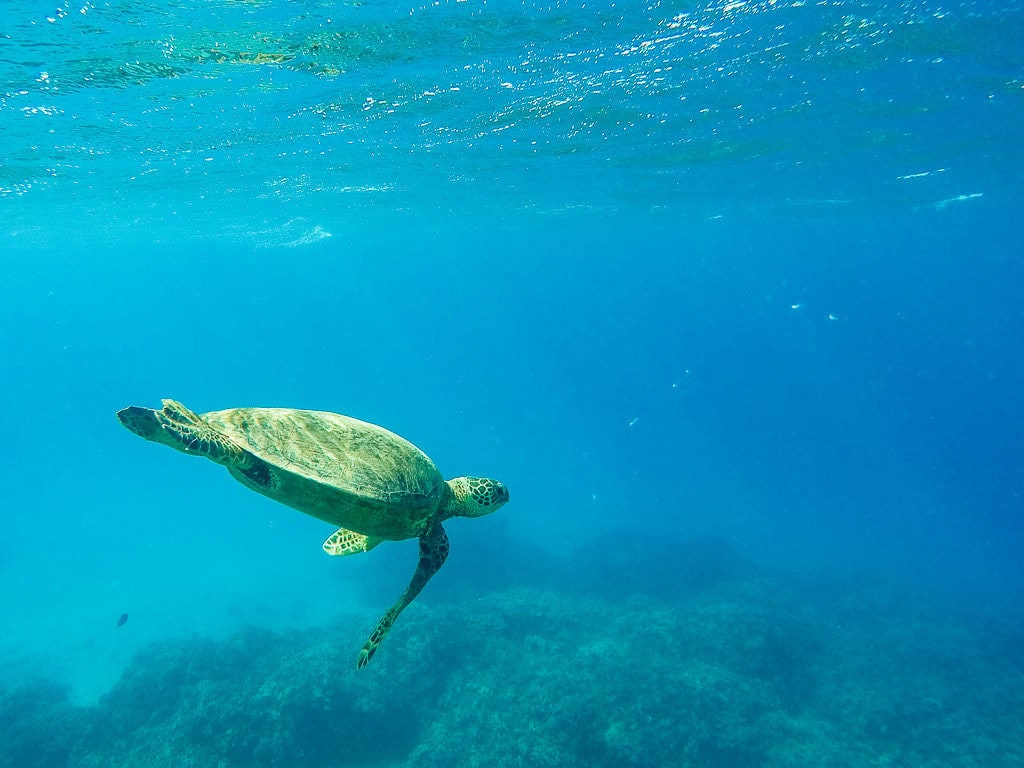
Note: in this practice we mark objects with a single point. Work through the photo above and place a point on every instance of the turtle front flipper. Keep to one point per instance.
(176, 426)
(346, 542)
(433, 552)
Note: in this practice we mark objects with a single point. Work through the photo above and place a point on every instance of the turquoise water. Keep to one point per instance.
(728, 294)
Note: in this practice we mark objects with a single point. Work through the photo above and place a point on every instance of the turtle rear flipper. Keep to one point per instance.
(433, 553)
(176, 426)
(141, 421)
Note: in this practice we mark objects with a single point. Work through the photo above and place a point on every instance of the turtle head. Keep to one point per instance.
(474, 497)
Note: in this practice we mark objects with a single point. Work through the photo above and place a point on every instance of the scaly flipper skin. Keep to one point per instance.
(433, 553)
(176, 426)
(346, 542)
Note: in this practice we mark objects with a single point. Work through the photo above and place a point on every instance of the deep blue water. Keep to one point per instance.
(723, 283)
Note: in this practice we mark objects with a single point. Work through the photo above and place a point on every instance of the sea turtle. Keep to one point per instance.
(370, 482)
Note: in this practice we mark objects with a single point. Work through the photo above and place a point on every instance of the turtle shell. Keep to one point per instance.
(347, 472)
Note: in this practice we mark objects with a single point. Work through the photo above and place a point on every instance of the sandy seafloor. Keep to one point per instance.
(729, 294)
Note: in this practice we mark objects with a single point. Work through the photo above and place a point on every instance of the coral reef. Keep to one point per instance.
(38, 726)
(260, 699)
(734, 672)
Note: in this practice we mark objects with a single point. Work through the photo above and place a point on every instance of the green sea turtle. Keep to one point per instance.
(369, 482)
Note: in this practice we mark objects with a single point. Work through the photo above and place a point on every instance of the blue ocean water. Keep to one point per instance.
(728, 293)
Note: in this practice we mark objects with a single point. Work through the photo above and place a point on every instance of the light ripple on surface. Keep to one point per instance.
(223, 98)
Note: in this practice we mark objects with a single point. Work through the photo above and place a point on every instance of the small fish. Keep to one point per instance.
(122, 620)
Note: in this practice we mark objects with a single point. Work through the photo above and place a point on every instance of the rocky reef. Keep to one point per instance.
(741, 670)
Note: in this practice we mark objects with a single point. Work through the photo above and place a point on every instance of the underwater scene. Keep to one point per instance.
(616, 383)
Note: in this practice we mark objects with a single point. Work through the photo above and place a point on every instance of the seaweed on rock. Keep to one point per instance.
(38, 726)
(563, 681)
(258, 699)
(745, 673)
